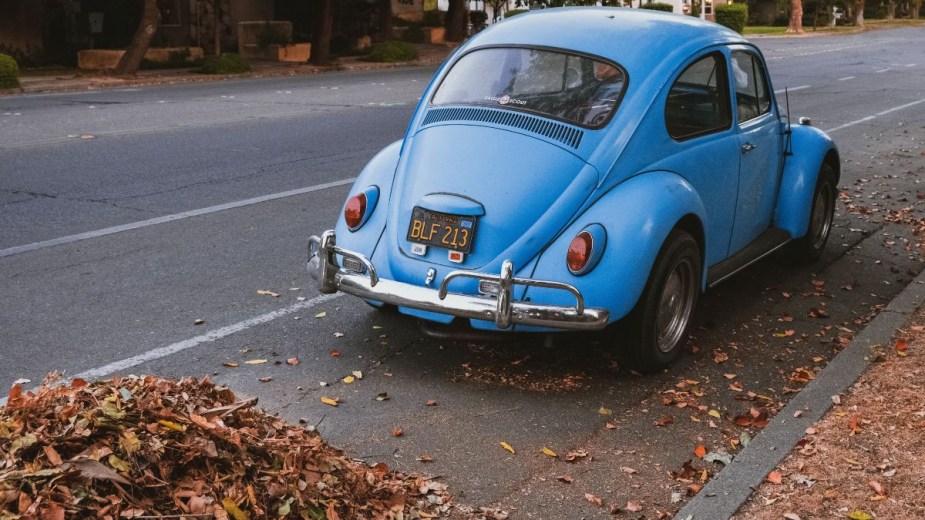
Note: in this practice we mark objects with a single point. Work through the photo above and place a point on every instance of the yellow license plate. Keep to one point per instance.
(455, 232)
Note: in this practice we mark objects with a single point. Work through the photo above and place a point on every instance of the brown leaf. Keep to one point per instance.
(720, 357)
(292, 361)
(633, 507)
(335, 353)
(52, 455)
(266, 379)
(565, 478)
(700, 451)
(268, 293)
(610, 426)
(664, 420)
(628, 470)
(397, 432)
(775, 477)
(96, 470)
(593, 499)
(902, 345)
(425, 458)
(574, 455)
(877, 487)
(431, 402)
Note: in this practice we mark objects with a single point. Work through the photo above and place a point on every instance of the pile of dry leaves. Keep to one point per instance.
(144, 447)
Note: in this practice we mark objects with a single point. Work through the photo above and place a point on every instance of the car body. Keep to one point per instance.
(583, 169)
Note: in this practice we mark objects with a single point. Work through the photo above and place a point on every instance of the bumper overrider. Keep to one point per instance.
(359, 278)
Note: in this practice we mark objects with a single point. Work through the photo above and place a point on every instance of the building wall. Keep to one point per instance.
(20, 27)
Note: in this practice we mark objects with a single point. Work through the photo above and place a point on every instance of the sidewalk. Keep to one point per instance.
(428, 55)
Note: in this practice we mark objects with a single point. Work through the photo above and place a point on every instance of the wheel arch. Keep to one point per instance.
(812, 149)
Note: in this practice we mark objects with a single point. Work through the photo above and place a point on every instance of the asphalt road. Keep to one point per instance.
(127, 215)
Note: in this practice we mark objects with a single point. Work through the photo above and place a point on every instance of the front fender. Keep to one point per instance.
(379, 172)
(811, 147)
(637, 216)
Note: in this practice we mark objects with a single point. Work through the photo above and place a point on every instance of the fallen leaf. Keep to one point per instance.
(628, 470)
(664, 420)
(792, 516)
(425, 458)
(730, 376)
(700, 451)
(397, 432)
(775, 477)
(877, 487)
(508, 447)
(565, 478)
(610, 426)
(593, 499)
(255, 362)
(720, 357)
(857, 514)
(572, 456)
(230, 364)
(268, 293)
(549, 452)
(604, 411)
(321, 314)
(293, 361)
(348, 379)
(382, 396)
(199, 321)
(328, 401)
(266, 379)
(633, 507)
(902, 346)
(714, 413)
(232, 509)
(431, 402)
(335, 353)
(357, 374)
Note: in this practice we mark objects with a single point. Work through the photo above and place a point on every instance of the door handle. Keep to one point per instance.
(747, 147)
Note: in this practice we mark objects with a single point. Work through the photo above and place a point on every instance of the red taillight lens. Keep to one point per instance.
(354, 210)
(579, 252)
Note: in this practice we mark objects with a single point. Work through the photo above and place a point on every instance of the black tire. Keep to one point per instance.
(808, 248)
(654, 332)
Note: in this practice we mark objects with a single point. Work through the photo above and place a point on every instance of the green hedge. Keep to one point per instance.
(392, 51)
(9, 72)
(229, 63)
(733, 16)
(658, 6)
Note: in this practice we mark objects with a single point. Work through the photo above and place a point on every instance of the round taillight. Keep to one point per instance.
(355, 210)
(579, 252)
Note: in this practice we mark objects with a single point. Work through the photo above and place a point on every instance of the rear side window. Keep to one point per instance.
(752, 96)
(698, 102)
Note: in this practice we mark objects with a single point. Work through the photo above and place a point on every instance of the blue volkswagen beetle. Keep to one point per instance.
(584, 169)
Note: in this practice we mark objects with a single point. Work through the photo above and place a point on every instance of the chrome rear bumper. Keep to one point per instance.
(500, 308)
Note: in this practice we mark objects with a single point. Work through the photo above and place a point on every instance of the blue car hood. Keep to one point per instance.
(529, 189)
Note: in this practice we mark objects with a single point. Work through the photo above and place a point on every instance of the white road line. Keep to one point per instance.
(910, 65)
(846, 125)
(868, 118)
(894, 109)
(794, 89)
(168, 218)
(180, 346)
(882, 70)
(846, 78)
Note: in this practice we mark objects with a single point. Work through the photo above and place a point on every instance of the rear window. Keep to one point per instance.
(576, 89)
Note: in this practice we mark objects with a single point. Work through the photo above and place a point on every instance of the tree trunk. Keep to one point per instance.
(916, 7)
(859, 13)
(136, 49)
(456, 21)
(321, 38)
(796, 17)
(385, 19)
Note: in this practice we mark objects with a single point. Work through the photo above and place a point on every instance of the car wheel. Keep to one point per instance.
(809, 248)
(656, 328)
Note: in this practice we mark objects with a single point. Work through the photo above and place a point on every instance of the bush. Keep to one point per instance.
(9, 72)
(413, 34)
(658, 6)
(392, 51)
(229, 63)
(478, 18)
(732, 16)
(180, 59)
(432, 19)
(515, 12)
(272, 35)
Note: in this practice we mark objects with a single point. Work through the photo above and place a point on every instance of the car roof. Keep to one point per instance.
(641, 40)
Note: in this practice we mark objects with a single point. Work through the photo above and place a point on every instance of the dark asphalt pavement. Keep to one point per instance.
(74, 163)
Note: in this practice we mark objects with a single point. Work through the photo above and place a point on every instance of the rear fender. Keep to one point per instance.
(379, 172)
(637, 216)
(811, 148)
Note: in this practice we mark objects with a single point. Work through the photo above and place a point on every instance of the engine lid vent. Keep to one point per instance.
(565, 134)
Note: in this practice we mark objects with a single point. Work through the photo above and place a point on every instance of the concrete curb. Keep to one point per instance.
(723, 495)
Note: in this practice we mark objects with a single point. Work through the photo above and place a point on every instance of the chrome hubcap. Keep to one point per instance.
(675, 305)
(822, 216)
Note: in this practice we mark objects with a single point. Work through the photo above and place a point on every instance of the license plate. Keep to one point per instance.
(454, 232)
